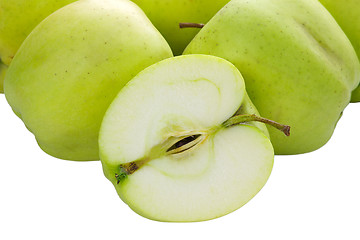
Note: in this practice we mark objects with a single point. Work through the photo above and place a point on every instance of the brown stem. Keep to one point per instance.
(252, 117)
(191, 25)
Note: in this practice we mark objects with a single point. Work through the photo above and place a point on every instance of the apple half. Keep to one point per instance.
(177, 144)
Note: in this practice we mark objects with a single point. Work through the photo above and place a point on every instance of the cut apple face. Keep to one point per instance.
(174, 146)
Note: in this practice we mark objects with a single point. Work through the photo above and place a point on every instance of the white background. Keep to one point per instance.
(309, 196)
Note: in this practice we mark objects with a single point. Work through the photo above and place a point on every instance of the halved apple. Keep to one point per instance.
(183, 142)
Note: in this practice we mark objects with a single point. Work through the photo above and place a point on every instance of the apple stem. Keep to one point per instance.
(252, 117)
(191, 25)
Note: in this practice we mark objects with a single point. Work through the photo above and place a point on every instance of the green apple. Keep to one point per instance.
(167, 14)
(347, 15)
(179, 144)
(17, 19)
(298, 65)
(69, 69)
(3, 69)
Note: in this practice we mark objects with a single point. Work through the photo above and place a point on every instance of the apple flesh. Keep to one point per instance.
(347, 15)
(175, 146)
(298, 65)
(69, 69)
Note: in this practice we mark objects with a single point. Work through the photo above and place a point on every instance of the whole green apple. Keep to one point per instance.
(175, 145)
(69, 69)
(167, 14)
(347, 15)
(17, 19)
(298, 65)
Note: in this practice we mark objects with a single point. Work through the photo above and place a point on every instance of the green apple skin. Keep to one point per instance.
(347, 15)
(18, 18)
(298, 65)
(3, 69)
(167, 14)
(69, 69)
(192, 94)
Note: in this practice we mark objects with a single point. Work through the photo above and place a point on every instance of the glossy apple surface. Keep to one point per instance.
(72, 65)
(298, 65)
(17, 19)
(167, 14)
(347, 15)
